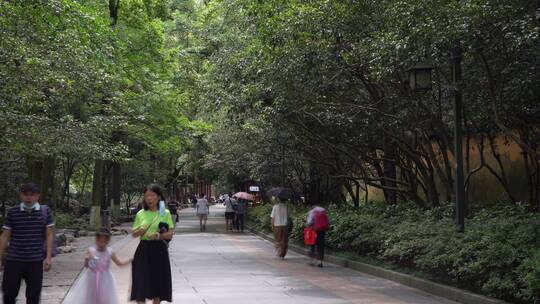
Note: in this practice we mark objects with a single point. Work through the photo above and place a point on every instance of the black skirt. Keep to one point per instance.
(151, 272)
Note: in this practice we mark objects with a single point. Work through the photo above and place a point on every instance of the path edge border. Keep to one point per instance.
(437, 289)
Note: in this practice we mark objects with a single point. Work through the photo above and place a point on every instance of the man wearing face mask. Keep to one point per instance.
(29, 230)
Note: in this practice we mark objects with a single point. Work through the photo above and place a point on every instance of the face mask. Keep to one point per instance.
(161, 207)
(25, 205)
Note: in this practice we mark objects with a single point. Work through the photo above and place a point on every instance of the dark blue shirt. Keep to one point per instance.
(28, 230)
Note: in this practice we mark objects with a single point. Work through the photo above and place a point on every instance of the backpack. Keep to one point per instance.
(321, 222)
(44, 209)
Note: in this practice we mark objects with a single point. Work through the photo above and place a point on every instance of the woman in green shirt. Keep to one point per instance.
(151, 268)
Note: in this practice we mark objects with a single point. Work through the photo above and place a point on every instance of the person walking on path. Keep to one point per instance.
(229, 212)
(98, 285)
(240, 214)
(319, 221)
(194, 199)
(151, 267)
(279, 217)
(29, 230)
(173, 209)
(203, 210)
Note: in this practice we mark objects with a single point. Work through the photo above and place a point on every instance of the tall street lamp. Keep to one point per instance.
(420, 77)
(420, 81)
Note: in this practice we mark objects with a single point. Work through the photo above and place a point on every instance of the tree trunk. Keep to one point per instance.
(536, 199)
(114, 5)
(389, 165)
(350, 191)
(366, 197)
(108, 185)
(502, 176)
(68, 169)
(357, 199)
(35, 167)
(47, 186)
(83, 187)
(97, 194)
(116, 189)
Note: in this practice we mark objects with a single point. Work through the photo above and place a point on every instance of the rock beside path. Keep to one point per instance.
(65, 249)
(117, 231)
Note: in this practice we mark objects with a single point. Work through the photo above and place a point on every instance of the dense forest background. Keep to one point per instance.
(99, 98)
(96, 96)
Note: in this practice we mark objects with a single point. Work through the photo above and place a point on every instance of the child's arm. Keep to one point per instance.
(4, 240)
(118, 262)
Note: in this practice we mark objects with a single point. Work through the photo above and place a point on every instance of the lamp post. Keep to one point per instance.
(420, 81)
(420, 77)
(458, 152)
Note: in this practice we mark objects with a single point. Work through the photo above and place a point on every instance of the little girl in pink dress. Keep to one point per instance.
(98, 285)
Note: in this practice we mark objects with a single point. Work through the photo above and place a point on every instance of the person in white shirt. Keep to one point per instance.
(279, 218)
(202, 212)
(229, 212)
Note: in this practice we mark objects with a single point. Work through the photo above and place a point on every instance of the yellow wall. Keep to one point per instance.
(484, 187)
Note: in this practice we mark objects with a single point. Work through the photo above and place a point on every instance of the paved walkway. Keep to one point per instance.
(221, 268)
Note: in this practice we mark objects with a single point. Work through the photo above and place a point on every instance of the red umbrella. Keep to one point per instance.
(245, 195)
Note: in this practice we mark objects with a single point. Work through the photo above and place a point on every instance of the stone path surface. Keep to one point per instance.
(216, 267)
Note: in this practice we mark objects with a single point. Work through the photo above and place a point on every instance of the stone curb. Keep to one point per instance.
(444, 291)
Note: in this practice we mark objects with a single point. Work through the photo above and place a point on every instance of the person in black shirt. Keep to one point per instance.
(173, 208)
(29, 229)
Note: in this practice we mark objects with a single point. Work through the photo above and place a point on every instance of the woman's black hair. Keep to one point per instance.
(157, 190)
(103, 232)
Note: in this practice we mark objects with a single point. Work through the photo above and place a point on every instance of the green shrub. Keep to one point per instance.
(494, 256)
(260, 217)
(529, 272)
(69, 220)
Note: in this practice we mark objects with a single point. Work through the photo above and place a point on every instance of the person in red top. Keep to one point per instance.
(318, 220)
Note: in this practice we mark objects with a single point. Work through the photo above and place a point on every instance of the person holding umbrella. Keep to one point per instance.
(240, 209)
(240, 214)
(281, 222)
(280, 219)
(229, 212)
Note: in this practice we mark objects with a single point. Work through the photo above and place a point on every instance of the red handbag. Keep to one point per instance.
(310, 236)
